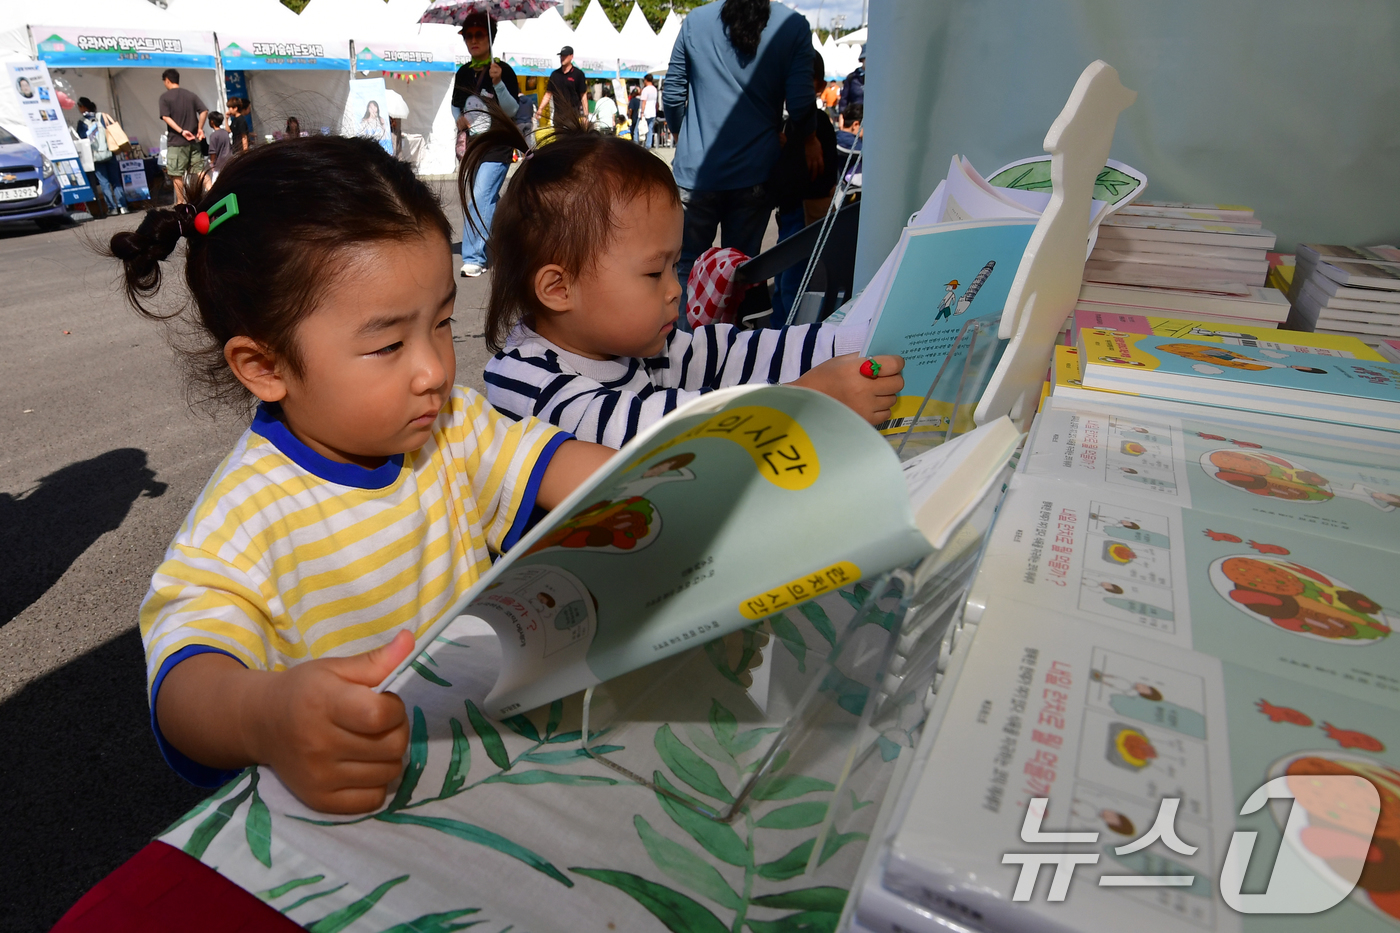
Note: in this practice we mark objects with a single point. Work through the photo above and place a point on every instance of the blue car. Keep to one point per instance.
(28, 188)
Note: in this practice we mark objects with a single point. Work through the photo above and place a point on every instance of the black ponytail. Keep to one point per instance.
(143, 250)
(744, 21)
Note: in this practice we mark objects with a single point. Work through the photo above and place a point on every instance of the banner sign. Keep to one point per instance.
(262, 53)
(38, 101)
(134, 181)
(530, 65)
(116, 47)
(397, 55)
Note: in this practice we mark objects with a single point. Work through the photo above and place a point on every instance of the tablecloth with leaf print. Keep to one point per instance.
(511, 826)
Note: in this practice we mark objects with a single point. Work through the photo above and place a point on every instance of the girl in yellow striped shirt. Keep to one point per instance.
(369, 490)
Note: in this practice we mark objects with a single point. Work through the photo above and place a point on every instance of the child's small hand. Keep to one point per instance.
(840, 378)
(332, 740)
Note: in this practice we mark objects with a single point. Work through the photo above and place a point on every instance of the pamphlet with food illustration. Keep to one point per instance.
(738, 505)
(1335, 490)
(1274, 597)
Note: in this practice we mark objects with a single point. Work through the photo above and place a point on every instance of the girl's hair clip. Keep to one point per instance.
(223, 209)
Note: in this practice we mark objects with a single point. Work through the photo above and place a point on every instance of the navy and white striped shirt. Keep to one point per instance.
(609, 401)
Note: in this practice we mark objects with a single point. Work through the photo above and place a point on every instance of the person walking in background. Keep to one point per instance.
(481, 80)
(92, 126)
(734, 65)
(184, 113)
(853, 88)
(240, 124)
(525, 115)
(568, 84)
(220, 145)
(649, 97)
(605, 112)
(634, 110)
(831, 96)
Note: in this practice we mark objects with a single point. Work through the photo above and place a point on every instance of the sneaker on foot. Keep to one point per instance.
(471, 270)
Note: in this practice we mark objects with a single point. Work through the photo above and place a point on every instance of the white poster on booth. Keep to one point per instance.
(38, 102)
(134, 181)
(365, 114)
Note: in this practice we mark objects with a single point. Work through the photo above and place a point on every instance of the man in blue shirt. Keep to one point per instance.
(734, 65)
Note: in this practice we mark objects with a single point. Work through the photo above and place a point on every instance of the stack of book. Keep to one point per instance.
(1347, 290)
(1172, 611)
(1205, 247)
(1256, 306)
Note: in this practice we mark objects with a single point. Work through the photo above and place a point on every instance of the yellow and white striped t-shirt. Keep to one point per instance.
(289, 556)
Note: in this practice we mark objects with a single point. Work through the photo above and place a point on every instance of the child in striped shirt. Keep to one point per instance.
(367, 494)
(584, 299)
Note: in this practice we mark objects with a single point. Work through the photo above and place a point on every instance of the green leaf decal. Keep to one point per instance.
(704, 740)
(719, 657)
(206, 803)
(791, 638)
(820, 620)
(554, 758)
(677, 912)
(490, 738)
(342, 918)
(422, 671)
(257, 827)
(1112, 185)
(790, 865)
(850, 694)
(794, 816)
(857, 803)
(808, 921)
(825, 900)
(681, 865)
(417, 759)
(461, 763)
(438, 923)
(722, 723)
(473, 833)
(746, 740)
(272, 894)
(521, 725)
(787, 786)
(204, 833)
(889, 751)
(556, 715)
(835, 841)
(575, 736)
(311, 897)
(688, 766)
(547, 777)
(718, 839)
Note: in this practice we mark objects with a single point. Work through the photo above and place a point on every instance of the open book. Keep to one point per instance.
(738, 505)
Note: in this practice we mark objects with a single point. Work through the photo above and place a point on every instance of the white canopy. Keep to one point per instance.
(641, 50)
(854, 38)
(666, 36)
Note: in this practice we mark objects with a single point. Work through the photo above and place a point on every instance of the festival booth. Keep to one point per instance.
(284, 66)
(532, 48)
(641, 53)
(114, 51)
(597, 47)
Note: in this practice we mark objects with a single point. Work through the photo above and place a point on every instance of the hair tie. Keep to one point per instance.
(184, 215)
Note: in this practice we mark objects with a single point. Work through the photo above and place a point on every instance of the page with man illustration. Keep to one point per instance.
(738, 505)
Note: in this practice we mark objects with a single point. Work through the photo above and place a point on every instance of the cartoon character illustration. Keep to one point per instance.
(966, 300)
(1336, 833)
(1300, 600)
(1221, 356)
(671, 470)
(1129, 747)
(1122, 826)
(1283, 714)
(946, 308)
(1145, 703)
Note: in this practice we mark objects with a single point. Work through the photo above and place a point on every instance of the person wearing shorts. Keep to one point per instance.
(184, 113)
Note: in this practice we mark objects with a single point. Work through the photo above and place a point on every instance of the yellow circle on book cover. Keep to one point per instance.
(782, 451)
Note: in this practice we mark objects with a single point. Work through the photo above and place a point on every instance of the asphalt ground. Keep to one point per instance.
(101, 457)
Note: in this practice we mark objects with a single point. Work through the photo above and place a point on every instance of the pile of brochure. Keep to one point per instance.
(1352, 290)
(1204, 247)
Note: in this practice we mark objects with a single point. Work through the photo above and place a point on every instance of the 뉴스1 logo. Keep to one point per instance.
(1296, 886)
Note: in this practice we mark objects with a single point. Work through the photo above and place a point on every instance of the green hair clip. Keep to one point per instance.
(223, 209)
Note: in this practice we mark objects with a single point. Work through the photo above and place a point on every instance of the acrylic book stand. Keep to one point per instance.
(845, 684)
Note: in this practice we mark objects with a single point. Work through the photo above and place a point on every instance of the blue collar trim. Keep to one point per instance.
(344, 474)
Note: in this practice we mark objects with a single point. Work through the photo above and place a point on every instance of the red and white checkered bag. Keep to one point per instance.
(712, 295)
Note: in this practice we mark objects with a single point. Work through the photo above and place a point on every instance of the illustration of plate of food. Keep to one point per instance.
(1266, 475)
(1334, 831)
(610, 527)
(1298, 599)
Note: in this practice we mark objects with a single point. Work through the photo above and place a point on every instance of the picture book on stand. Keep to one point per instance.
(737, 505)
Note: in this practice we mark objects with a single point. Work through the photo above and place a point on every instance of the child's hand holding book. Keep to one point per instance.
(842, 379)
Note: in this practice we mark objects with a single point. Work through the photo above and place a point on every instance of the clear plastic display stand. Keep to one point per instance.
(845, 682)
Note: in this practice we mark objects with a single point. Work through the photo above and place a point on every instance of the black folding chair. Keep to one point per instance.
(833, 276)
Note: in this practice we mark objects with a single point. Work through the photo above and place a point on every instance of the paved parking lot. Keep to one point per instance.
(100, 458)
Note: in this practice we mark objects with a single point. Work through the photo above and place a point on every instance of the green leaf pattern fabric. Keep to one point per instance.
(511, 825)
